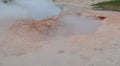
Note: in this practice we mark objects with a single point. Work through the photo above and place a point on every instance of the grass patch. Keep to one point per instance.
(113, 5)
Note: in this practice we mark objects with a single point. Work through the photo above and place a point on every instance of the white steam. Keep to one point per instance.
(37, 9)
(77, 25)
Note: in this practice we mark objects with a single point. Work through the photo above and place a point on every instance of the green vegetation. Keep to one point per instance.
(113, 5)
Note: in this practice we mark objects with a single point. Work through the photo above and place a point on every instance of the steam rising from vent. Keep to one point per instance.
(35, 9)
(77, 25)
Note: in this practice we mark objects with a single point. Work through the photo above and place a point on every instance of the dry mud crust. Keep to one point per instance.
(27, 37)
(41, 27)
